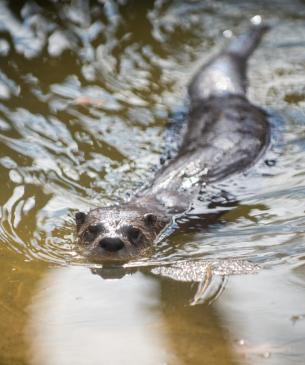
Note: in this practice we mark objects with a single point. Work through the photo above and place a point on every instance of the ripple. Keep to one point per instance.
(85, 96)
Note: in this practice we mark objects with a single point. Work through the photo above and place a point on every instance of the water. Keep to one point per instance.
(86, 89)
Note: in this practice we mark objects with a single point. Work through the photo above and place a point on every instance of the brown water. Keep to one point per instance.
(58, 154)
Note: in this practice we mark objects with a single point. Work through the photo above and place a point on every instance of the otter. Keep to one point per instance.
(225, 134)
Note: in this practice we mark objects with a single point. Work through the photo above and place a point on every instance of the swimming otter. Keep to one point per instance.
(225, 134)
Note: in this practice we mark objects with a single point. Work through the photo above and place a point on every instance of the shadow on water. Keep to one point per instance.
(86, 89)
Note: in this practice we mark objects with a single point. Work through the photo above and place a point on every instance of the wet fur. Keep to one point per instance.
(225, 134)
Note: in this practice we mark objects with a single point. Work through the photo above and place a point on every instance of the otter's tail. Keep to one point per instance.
(226, 73)
(244, 45)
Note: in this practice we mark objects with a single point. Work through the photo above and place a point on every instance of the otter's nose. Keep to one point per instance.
(111, 244)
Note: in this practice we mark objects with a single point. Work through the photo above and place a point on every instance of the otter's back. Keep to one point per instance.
(229, 132)
(225, 134)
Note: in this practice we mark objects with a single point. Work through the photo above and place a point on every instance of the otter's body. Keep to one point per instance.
(225, 134)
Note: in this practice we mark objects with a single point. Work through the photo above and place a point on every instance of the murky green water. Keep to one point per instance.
(60, 153)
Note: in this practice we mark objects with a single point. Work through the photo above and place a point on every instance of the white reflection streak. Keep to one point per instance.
(79, 318)
(26, 42)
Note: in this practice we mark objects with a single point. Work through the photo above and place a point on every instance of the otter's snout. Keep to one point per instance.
(111, 244)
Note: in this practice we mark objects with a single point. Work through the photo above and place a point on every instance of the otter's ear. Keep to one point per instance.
(80, 218)
(150, 219)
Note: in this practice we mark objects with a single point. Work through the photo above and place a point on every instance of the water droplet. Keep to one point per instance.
(256, 20)
(227, 33)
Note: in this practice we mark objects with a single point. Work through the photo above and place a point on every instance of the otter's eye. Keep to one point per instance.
(92, 231)
(134, 234)
(95, 229)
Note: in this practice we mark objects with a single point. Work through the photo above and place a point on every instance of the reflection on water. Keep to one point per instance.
(96, 321)
(86, 89)
(136, 319)
(79, 318)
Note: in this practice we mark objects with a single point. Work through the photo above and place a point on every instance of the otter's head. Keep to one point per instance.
(117, 233)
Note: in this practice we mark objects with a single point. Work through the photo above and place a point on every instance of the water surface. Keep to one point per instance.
(86, 91)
